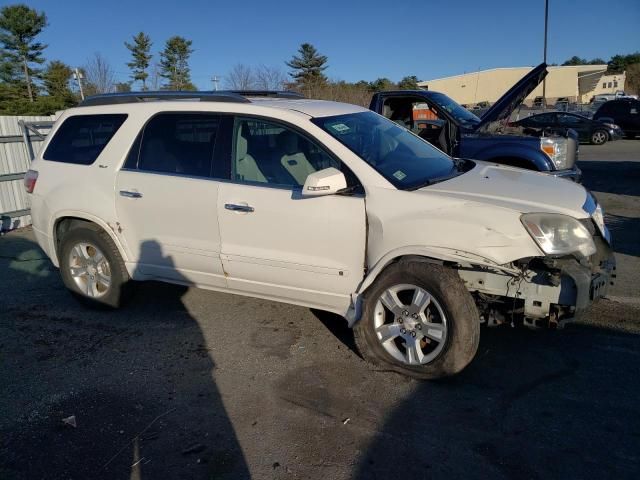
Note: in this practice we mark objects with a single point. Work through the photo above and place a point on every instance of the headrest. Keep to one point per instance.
(288, 141)
(241, 145)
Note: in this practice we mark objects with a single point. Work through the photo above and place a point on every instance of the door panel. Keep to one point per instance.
(304, 250)
(170, 226)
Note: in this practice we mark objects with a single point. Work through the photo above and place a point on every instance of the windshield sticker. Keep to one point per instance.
(340, 128)
(400, 175)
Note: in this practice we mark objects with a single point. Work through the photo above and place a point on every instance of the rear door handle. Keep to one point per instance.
(238, 208)
(128, 194)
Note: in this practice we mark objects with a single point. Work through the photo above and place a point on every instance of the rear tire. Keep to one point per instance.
(437, 343)
(599, 137)
(92, 268)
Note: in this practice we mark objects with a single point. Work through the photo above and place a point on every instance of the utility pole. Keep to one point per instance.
(544, 81)
(215, 79)
(78, 76)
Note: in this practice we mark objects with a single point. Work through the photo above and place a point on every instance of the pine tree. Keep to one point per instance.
(141, 58)
(56, 80)
(174, 64)
(308, 66)
(19, 27)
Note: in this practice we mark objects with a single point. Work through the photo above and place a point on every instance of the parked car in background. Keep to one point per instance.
(460, 133)
(624, 112)
(562, 104)
(321, 204)
(538, 102)
(593, 131)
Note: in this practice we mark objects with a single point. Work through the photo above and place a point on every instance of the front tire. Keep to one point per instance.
(599, 137)
(419, 320)
(92, 268)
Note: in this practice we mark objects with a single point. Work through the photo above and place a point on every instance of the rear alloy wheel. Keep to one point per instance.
(599, 137)
(419, 320)
(91, 267)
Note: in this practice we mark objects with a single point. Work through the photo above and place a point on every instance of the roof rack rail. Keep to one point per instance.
(268, 93)
(134, 97)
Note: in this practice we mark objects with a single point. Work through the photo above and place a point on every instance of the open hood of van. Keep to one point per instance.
(511, 100)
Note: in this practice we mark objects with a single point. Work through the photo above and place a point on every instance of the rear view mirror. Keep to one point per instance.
(324, 182)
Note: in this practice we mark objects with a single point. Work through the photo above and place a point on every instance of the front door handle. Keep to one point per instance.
(128, 194)
(238, 208)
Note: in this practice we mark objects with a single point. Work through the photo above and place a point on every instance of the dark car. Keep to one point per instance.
(624, 112)
(593, 131)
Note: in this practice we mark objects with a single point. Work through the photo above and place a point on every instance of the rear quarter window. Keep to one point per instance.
(81, 138)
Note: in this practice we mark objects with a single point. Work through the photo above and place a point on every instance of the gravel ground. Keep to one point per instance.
(186, 383)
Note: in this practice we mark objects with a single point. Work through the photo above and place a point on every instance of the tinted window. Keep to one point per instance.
(271, 153)
(568, 119)
(81, 138)
(180, 143)
(542, 119)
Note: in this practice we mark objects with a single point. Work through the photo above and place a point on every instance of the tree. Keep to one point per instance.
(575, 60)
(19, 27)
(141, 57)
(632, 85)
(381, 84)
(270, 78)
(308, 66)
(99, 76)
(619, 63)
(123, 87)
(408, 83)
(56, 80)
(174, 64)
(240, 77)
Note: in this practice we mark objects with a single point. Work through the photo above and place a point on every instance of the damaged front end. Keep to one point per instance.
(546, 291)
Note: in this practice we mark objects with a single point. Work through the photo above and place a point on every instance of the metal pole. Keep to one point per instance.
(544, 81)
(215, 81)
(26, 139)
(79, 79)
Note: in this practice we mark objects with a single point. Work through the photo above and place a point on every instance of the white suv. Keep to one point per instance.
(315, 203)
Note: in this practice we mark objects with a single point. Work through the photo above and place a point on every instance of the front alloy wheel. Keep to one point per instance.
(418, 319)
(410, 324)
(599, 137)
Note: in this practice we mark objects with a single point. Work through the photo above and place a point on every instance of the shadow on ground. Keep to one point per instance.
(138, 383)
(622, 178)
(532, 405)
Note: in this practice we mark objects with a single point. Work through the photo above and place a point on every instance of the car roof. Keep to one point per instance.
(313, 108)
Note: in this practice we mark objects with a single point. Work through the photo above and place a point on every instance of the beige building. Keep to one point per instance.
(578, 83)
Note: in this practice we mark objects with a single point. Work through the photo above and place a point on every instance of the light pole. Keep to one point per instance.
(544, 81)
(215, 79)
(78, 76)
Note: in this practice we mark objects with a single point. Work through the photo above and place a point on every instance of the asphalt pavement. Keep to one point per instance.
(185, 383)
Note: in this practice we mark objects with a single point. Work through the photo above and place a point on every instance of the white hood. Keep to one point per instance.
(517, 189)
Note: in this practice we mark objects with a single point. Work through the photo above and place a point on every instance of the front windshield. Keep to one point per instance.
(407, 161)
(457, 111)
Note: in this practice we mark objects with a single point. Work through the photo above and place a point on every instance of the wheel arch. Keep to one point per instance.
(66, 221)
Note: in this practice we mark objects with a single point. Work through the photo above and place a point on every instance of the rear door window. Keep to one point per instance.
(81, 138)
(176, 143)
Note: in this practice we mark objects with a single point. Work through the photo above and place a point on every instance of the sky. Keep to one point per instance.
(363, 40)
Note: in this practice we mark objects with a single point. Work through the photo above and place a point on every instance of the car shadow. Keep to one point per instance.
(106, 394)
(622, 178)
(625, 232)
(531, 405)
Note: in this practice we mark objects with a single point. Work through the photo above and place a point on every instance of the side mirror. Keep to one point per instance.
(324, 182)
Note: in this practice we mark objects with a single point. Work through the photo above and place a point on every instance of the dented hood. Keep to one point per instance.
(511, 100)
(516, 189)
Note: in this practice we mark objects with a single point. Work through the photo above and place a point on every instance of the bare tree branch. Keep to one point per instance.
(270, 78)
(241, 77)
(99, 75)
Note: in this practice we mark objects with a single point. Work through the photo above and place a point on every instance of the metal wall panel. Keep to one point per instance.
(14, 158)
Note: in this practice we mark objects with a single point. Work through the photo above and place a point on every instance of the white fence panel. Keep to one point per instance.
(14, 161)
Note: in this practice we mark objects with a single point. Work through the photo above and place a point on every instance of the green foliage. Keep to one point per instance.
(174, 64)
(308, 66)
(123, 87)
(19, 27)
(408, 83)
(382, 84)
(56, 80)
(141, 58)
(619, 63)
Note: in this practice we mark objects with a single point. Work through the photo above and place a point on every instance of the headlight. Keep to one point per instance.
(558, 234)
(556, 150)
